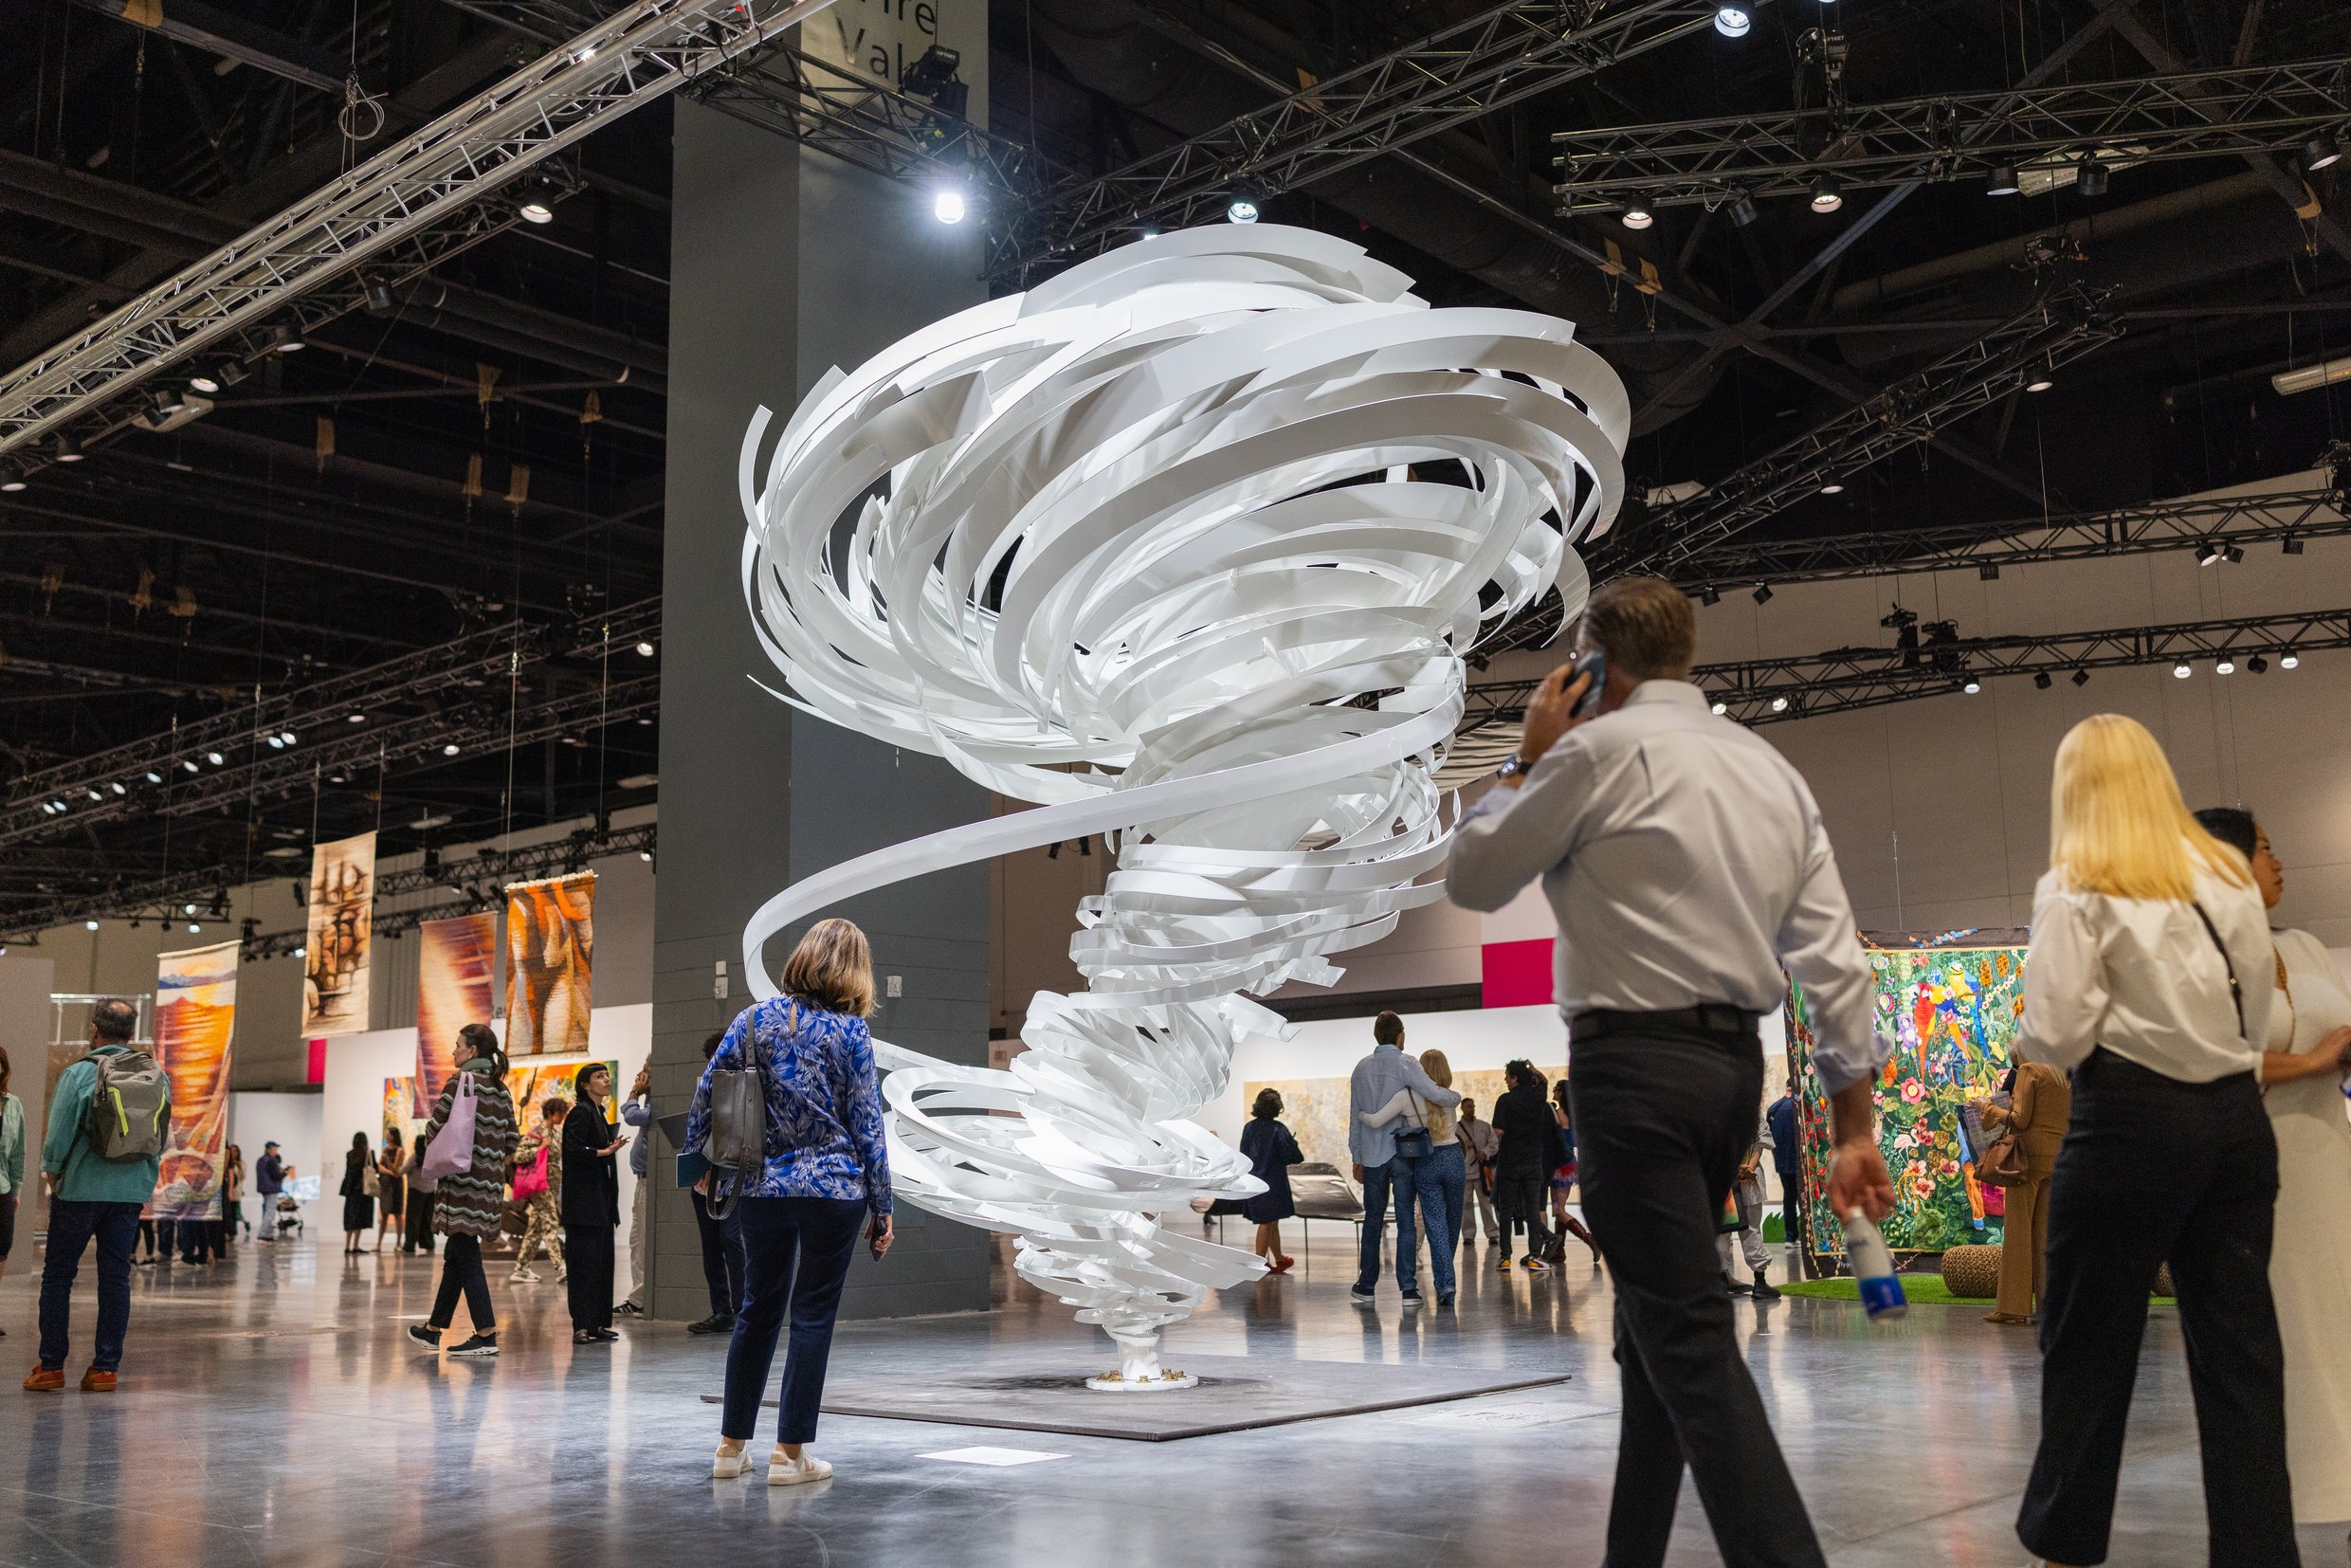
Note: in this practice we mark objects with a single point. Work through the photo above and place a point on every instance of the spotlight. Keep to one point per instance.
(1763, 592)
(194, 928)
(379, 300)
(154, 777)
(1731, 22)
(2208, 553)
(229, 372)
(203, 383)
(2319, 152)
(355, 719)
(1743, 209)
(118, 787)
(2041, 680)
(215, 759)
(1827, 194)
(1972, 686)
(645, 855)
(1241, 209)
(2288, 658)
(583, 54)
(2232, 553)
(449, 750)
(947, 207)
(12, 484)
(2081, 677)
(302, 953)
(2093, 178)
(1721, 707)
(1833, 487)
(2290, 544)
(187, 910)
(1780, 704)
(1709, 596)
(94, 794)
(2003, 181)
(282, 338)
(2258, 665)
(69, 449)
(190, 765)
(2044, 378)
(539, 200)
(89, 925)
(1638, 215)
(645, 650)
(2181, 671)
(2226, 666)
(276, 744)
(1988, 572)
(536, 210)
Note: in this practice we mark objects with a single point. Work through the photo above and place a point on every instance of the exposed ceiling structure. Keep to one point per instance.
(422, 485)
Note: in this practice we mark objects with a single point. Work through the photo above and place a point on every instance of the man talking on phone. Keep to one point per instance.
(1686, 865)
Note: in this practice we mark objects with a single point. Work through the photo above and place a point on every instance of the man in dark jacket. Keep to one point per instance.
(1788, 1160)
(1521, 1165)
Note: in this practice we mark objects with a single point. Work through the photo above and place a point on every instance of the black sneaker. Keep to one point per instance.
(478, 1345)
(1764, 1289)
(630, 1309)
(1732, 1287)
(717, 1323)
(425, 1336)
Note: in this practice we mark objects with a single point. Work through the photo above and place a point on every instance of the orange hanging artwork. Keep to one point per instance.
(549, 947)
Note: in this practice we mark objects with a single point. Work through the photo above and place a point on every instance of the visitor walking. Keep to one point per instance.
(391, 1184)
(2146, 978)
(1686, 863)
(1747, 1198)
(1387, 1152)
(590, 1204)
(638, 1113)
(1270, 1150)
(1444, 1175)
(1477, 1154)
(2301, 1065)
(1525, 1136)
(11, 1165)
(722, 1245)
(1787, 1164)
(539, 1168)
(358, 1193)
(2040, 1103)
(827, 1169)
(468, 1203)
(99, 1176)
(269, 1173)
(1563, 1221)
(232, 1198)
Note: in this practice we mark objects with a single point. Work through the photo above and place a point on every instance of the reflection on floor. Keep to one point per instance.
(272, 1412)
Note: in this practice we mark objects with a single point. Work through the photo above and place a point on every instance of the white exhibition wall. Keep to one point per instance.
(295, 1124)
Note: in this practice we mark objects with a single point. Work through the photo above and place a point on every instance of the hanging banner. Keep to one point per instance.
(550, 941)
(335, 962)
(195, 1013)
(453, 968)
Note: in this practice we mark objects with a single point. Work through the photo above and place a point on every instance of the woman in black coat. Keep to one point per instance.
(591, 1205)
(1270, 1150)
(358, 1194)
(1523, 1166)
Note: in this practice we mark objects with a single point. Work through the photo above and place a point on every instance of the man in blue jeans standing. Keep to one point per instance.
(1378, 1166)
(91, 1197)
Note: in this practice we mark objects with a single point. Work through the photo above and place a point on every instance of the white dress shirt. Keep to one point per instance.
(1685, 862)
(2141, 977)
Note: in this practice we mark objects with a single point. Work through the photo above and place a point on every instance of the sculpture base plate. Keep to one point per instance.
(1110, 1382)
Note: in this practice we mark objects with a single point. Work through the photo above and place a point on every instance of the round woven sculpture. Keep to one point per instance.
(1187, 546)
(1973, 1272)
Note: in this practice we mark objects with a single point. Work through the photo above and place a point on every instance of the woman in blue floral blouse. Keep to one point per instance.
(826, 1170)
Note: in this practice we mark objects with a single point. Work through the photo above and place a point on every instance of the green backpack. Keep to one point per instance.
(130, 1107)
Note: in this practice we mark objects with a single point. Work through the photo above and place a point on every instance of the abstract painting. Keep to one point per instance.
(551, 938)
(1316, 1110)
(1951, 1004)
(335, 956)
(454, 962)
(196, 1014)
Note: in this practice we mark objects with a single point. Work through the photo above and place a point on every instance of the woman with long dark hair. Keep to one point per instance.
(358, 1194)
(1270, 1150)
(590, 1204)
(469, 1204)
(391, 1184)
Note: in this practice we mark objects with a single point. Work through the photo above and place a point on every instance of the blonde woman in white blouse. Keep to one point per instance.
(2149, 977)
(2311, 1267)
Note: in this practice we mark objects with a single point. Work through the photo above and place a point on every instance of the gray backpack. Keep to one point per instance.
(130, 1107)
(737, 1141)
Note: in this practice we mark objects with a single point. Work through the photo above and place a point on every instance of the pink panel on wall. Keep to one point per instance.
(318, 1063)
(1518, 974)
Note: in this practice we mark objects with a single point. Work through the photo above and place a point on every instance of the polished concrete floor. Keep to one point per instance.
(272, 1412)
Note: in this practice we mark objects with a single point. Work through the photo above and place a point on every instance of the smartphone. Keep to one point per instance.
(1595, 664)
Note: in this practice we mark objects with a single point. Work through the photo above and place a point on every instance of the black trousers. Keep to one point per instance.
(417, 1233)
(588, 1288)
(1521, 1196)
(1662, 1121)
(723, 1257)
(461, 1272)
(2153, 1169)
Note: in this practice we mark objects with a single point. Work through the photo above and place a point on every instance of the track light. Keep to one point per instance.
(1743, 209)
(118, 787)
(1709, 596)
(282, 338)
(187, 909)
(355, 719)
(1638, 215)
(1732, 22)
(2041, 680)
(276, 744)
(1721, 707)
(1763, 592)
(2319, 152)
(2226, 666)
(1780, 704)
(215, 759)
(190, 764)
(2288, 658)
(1972, 686)
(2093, 178)
(947, 205)
(450, 750)
(1241, 209)
(1828, 195)
(12, 484)
(194, 928)
(2290, 544)
(203, 383)
(2081, 677)
(89, 925)
(1988, 572)
(645, 650)
(2208, 553)
(1833, 487)
(2181, 671)
(2003, 181)
(69, 449)
(2258, 665)
(2044, 378)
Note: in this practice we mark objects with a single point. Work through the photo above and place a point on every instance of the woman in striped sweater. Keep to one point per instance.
(468, 1205)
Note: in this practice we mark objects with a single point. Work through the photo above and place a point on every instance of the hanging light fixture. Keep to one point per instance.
(1828, 195)
(1732, 22)
(2002, 181)
(1638, 215)
(2319, 152)
(1241, 209)
(2181, 671)
(947, 204)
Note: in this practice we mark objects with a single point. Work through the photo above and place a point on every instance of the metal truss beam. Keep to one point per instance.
(2279, 515)
(1502, 55)
(1767, 691)
(116, 783)
(398, 209)
(2068, 322)
(2043, 132)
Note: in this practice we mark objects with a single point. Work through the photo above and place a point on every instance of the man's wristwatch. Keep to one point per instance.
(1514, 767)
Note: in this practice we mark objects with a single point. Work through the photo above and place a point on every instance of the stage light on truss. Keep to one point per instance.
(215, 759)
(2288, 658)
(69, 449)
(1709, 596)
(1743, 209)
(203, 383)
(154, 777)
(286, 736)
(1833, 486)
(190, 764)
(194, 929)
(2094, 176)
(1732, 22)
(275, 743)
(1721, 707)
(2290, 544)
(1972, 686)
(2208, 553)
(118, 787)
(282, 338)
(1638, 213)
(451, 749)
(2226, 666)
(2003, 181)
(645, 650)
(1763, 592)
(187, 909)
(12, 484)
(947, 204)
(2041, 680)
(1828, 195)
(89, 925)
(2081, 677)
(1241, 209)
(2182, 670)
(583, 54)
(355, 718)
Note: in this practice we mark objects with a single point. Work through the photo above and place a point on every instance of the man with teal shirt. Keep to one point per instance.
(91, 1197)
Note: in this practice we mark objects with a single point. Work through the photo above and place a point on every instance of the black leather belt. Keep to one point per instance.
(1717, 1019)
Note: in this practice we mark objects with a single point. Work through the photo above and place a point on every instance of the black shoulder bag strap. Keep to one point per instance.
(2236, 990)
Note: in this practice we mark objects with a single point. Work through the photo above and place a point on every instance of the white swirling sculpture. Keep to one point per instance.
(1186, 546)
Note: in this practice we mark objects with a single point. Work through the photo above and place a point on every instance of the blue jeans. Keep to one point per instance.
(1403, 1177)
(72, 1223)
(1438, 1185)
(821, 1232)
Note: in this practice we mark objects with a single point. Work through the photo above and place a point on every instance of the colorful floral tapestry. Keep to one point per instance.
(1951, 1012)
(453, 969)
(549, 946)
(196, 1015)
(334, 949)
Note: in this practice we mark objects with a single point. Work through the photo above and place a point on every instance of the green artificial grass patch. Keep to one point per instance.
(1921, 1289)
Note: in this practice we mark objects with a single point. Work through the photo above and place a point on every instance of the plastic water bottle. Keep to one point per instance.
(1873, 1268)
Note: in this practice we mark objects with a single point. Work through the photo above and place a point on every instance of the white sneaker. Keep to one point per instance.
(726, 1467)
(524, 1276)
(793, 1472)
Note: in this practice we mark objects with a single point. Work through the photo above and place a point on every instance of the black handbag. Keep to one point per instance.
(1413, 1142)
(738, 1143)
